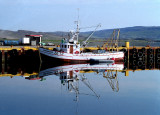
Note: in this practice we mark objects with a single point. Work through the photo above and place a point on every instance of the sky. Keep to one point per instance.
(59, 15)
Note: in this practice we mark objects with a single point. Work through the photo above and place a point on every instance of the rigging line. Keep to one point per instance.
(88, 85)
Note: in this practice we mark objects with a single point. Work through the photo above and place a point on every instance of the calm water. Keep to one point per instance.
(82, 93)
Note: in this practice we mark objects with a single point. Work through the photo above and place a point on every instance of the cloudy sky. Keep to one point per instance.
(59, 15)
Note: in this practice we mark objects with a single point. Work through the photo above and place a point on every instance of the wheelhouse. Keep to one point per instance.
(72, 47)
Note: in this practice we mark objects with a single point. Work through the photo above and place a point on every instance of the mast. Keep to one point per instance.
(77, 29)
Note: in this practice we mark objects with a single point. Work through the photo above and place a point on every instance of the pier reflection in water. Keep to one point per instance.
(78, 89)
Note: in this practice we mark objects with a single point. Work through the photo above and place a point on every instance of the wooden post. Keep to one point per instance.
(126, 73)
(127, 47)
(154, 58)
(3, 61)
(1, 57)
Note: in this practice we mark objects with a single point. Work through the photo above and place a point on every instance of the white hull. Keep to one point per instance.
(82, 56)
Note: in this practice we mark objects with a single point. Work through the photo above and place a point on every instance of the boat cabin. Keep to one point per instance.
(70, 46)
(67, 76)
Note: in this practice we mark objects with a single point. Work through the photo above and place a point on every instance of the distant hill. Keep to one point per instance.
(21, 33)
(7, 34)
(137, 32)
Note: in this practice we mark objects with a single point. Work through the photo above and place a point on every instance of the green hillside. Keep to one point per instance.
(137, 32)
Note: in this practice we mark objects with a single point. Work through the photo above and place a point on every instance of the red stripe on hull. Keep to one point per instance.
(118, 59)
(57, 60)
(73, 60)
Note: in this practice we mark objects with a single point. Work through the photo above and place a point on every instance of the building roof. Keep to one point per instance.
(34, 35)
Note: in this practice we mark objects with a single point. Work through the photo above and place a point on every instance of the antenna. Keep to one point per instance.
(78, 13)
(77, 30)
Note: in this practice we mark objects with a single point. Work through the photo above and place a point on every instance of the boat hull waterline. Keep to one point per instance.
(82, 57)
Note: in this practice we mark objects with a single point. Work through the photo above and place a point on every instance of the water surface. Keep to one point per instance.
(136, 94)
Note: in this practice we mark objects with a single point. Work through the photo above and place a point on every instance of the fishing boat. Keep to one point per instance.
(69, 51)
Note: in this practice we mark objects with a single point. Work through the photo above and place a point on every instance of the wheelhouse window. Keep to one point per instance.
(65, 46)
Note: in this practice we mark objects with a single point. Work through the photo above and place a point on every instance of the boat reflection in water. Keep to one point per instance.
(71, 75)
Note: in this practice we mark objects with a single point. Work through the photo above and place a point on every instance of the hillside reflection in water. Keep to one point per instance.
(81, 89)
